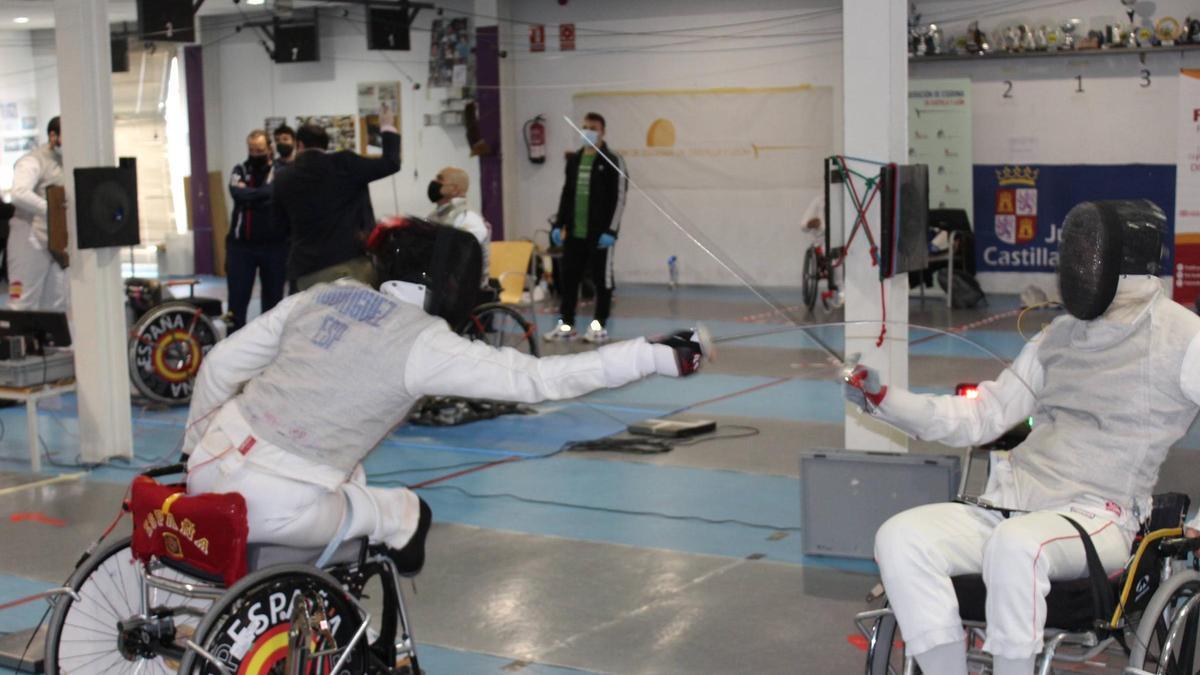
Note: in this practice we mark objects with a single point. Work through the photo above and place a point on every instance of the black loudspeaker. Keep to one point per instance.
(388, 29)
(166, 20)
(120, 55)
(296, 42)
(106, 206)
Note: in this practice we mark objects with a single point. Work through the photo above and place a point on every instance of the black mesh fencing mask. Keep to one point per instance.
(1100, 242)
(447, 261)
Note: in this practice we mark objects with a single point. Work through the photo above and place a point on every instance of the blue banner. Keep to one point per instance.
(1019, 208)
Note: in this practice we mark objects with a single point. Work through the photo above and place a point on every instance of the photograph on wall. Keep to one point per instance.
(270, 124)
(28, 122)
(339, 127)
(8, 110)
(371, 96)
(13, 144)
(29, 143)
(450, 51)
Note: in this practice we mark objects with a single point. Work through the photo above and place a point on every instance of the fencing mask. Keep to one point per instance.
(445, 260)
(1101, 241)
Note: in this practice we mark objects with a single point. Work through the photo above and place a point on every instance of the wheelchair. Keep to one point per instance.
(185, 593)
(1155, 621)
(168, 337)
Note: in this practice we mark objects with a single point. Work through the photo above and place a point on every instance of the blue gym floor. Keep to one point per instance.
(543, 562)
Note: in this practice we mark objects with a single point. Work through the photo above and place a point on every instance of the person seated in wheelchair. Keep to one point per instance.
(1110, 387)
(286, 409)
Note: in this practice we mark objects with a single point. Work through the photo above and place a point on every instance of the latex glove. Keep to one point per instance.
(862, 388)
(556, 236)
(606, 241)
(678, 354)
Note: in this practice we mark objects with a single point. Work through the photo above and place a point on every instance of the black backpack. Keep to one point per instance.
(967, 292)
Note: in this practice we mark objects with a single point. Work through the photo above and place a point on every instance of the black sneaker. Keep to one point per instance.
(410, 559)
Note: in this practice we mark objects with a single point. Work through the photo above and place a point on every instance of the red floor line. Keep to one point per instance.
(21, 601)
(464, 472)
(733, 394)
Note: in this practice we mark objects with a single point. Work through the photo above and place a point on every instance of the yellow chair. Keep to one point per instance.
(509, 265)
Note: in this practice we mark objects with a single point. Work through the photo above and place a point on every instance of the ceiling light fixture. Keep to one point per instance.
(255, 2)
(21, 19)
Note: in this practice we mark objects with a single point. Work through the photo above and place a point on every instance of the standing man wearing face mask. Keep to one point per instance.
(448, 190)
(285, 146)
(256, 244)
(1110, 387)
(37, 279)
(589, 219)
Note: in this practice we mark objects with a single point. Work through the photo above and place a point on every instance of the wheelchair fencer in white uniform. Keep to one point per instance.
(286, 409)
(1110, 387)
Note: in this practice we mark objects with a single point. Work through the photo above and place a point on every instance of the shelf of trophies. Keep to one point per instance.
(1070, 38)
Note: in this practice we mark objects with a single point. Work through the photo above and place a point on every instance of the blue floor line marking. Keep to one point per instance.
(437, 660)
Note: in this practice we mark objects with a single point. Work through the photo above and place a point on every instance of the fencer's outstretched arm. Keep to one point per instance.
(960, 421)
(442, 363)
(26, 174)
(232, 363)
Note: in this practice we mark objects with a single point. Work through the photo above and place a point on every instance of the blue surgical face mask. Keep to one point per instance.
(592, 136)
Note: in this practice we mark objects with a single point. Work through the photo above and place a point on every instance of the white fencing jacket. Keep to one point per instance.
(316, 383)
(1108, 398)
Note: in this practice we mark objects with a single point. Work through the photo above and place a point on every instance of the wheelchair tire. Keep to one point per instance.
(499, 325)
(885, 653)
(1146, 650)
(247, 628)
(811, 278)
(82, 637)
(166, 347)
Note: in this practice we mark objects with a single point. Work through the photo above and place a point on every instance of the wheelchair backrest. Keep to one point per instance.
(203, 533)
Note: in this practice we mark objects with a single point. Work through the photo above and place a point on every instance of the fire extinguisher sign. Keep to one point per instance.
(537, 38)
(566, 37)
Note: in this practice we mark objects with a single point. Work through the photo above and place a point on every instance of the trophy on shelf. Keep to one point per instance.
(934, 40)
(1168, 30)
(1069, 28)
(1191, 31)
(1145, 36)
(1026, 41)
(1041, 38)
(977, 42)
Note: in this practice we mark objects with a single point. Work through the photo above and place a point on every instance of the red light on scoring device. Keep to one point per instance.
(967, 390)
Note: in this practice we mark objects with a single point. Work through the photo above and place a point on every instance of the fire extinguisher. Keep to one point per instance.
(535, 139)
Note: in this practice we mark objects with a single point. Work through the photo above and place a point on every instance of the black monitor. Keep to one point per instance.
(48, 329)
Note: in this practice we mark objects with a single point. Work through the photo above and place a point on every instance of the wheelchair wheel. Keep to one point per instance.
(247, 629)
(500, 325)
(1154, 626)
(166, 347)
(885, 650)
(812, 278)
(83, 637)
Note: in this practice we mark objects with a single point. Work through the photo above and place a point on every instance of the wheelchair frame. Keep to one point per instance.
(146, 632)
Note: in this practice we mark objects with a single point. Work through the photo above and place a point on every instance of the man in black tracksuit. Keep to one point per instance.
(324, 196)
(589, 220)
(255, 243)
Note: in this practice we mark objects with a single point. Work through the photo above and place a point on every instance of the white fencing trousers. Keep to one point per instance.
(35, 281)
(286, 511)
(920, 549)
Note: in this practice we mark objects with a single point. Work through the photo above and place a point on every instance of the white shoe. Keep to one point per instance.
(560, 332)
(596, 333)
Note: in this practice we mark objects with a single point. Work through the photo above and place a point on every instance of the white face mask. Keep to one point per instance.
(592, 136)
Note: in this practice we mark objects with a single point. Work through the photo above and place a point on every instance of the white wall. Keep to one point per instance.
(757, 230)
(18, 84)
(243, 86)
(1114, 121)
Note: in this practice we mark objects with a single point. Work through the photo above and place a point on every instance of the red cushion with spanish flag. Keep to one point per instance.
(205, 532)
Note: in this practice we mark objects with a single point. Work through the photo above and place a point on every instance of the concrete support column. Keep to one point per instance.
(97, 291)
(875, 89)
